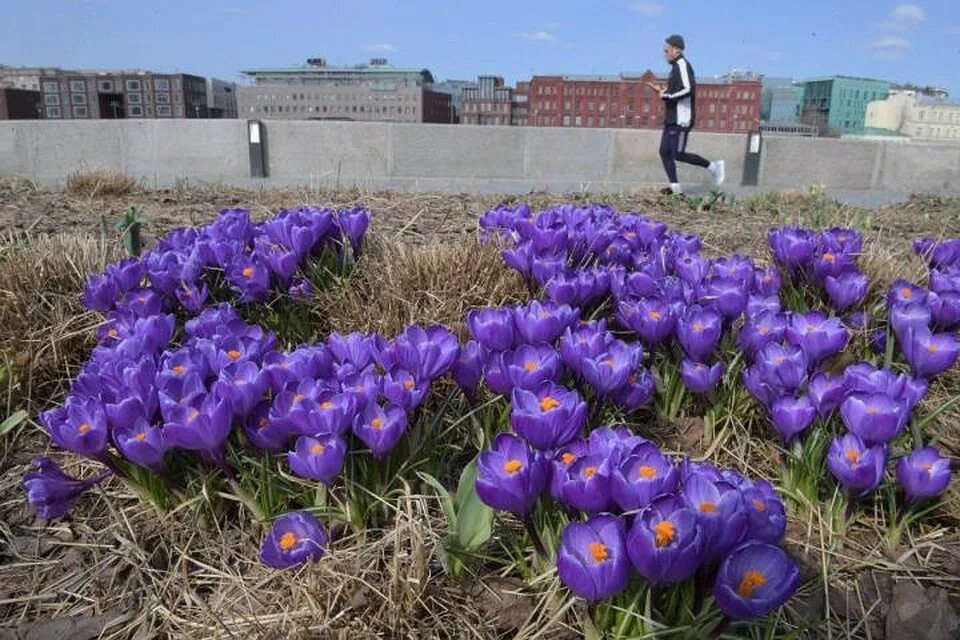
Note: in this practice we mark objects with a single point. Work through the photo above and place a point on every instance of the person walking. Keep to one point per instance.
(680, 98)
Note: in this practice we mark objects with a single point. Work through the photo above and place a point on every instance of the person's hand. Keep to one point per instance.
(663, 92)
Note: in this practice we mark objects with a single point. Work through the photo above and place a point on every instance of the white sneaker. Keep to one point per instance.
(718, 170)
(675, 188)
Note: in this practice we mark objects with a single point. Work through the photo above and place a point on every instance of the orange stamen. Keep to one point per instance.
(750, 582)
(646, 471)
(599, 551)
(512, 466)
(665, 532)
(287, 541)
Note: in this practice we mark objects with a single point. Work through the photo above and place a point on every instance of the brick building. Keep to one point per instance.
(519, 104)
(487, 103)
(365, 92)
(20, 104)
(122, 94)
(725, 105)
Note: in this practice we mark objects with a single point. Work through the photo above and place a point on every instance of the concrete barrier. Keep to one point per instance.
(452, 157)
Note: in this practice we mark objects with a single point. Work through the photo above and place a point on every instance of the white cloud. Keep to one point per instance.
(380, 48)
(905, 16)
(537, 36)
(891, 47)
(646, 8)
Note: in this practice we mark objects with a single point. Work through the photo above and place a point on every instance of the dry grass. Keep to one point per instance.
(398, 284)
(45, 333)
(94, 184)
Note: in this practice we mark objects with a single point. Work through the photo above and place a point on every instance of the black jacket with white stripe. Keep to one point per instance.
(680, 96)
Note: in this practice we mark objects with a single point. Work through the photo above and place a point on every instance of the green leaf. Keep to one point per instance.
(445, 499)
(474, 518)
(12, 422)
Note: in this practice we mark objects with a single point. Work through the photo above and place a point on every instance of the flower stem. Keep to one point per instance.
(535, 537)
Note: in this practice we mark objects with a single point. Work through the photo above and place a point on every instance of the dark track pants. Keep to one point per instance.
(673, 149)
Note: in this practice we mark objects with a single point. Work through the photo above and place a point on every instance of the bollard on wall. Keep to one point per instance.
(751, 163)
(256, 141)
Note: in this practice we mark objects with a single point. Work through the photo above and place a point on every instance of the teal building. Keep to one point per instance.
(839, 103)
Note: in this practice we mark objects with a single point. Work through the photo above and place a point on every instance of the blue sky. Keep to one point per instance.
(917, 42)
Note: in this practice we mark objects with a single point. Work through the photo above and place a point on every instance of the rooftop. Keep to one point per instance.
(831, 78)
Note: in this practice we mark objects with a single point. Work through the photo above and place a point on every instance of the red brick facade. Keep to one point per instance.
(626, 102)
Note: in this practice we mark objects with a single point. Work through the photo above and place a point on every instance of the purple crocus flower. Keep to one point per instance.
(766, 512)
(295, 539)
(862, 377)
(783, 367)
(325, 412)
(610, 370)
(51, 492)
(638, 391)
(364, 388)
(100, 293)
(666, 543)
(875, 417)
(909, 317)
(261, 430)
(561, 461)
(766, 281)
(201, 427)
(924, 473)
(429, 352)
(755, 579)
(549, 417)
(592, 557)
(792, 416)
(353, 223)
(543, 322)
(318, 458)
(827, 391)
(250, 277)
(80, 426)
(355, 349)
(758, 304)
(520, 257)
(141, 443)
(930, 354)
(585, 484)
(700, 378)
(832, 264)
(467, 369)
(510, 476)
(846, 290)
(192, 296)
(529, 367)
(644, 475)
(493, 328)
(945, 308)
(904, 292)
(242, 385)
(381, 428)
(699, 332)
(301, 289)
(726, 295)
(692, 268)
(819, 337)
(584, 341)
(856, 466)
(792, 247)
(720, 513)
(404, 389)
(653, 319)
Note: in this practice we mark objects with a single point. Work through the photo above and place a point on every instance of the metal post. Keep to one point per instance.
(751, 163)
(256, 141)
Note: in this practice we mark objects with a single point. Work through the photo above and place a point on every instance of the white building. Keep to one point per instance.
(916, 116)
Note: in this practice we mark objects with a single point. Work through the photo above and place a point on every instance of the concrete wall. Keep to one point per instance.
(452, 158)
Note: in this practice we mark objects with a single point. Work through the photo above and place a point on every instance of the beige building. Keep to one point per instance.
(916, 116)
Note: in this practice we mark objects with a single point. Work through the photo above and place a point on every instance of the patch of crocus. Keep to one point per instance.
(610, 370)
(641, 477)
(381, 428)
(792, 247)
(820, 337)
(493, 328)
(720, 513)
(760, 330)
(543, 322)
(404, 389)
(855, 465)
(592, 557)
(51, 492)
(846, 290)
(928, 353)
(430, 351)
(653, 319)
(698, 331)
(766, 513)
(727, 295)
(294, 539)
(141, 443)
(585, 484)
(909, 317)
(923, 473)
(318, 458)
(666, 543)
(261, 431)
(638, 391)
(354, 223)
(548, 417)
(80, 426)
(767, 281)
(511, 476)
(530, 366)
(906, 293)
(876, 417)
(863, 377)
(755, 579)
(792, 416)
(826, 391)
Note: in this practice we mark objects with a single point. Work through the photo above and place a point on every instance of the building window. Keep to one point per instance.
(178, 110)
(52, 99)
(163, 110)
(135, 111)
(163, 98)
(53, 112)
(78, 86)
(133, 85)
(133, 98)
(51, 87)
(161, 84)
(578, 121)
(78, 98)
(150, 111)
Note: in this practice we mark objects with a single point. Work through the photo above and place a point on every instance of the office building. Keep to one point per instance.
(455, 89)
(20, 104)
(490, 102)
(122, 94)
(780, 101)
(838, 104)
(221, 99)
(915, 116)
